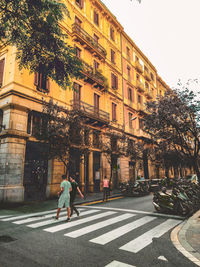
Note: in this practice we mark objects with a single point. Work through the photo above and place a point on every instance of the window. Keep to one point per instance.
(114, 81)
(77, 93)
(96, 38)
(78, 21)
(130, 116)
(41, 81)
(96, 65)
(139, 99)
(137, 77)
(129, 72)
(128, 52)
(146, 85)
(130, 94)
(86, 137)
(96, 138)
(80, 3)
(152, 76)
(114, 112)
(1, 120)
(96, 103)
(146, 69)
(2, 62)
(96, 18)
(136, 59)
(141, 123)
(112, 33)
(112, 56)
(78, 52)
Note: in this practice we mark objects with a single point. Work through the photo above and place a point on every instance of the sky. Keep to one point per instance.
(167, 32)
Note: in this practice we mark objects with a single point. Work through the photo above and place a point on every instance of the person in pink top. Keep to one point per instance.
(105, 188)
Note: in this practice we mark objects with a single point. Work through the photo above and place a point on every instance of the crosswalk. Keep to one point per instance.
(112, 222)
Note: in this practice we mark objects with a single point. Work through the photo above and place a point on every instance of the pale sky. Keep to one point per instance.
(167, 32)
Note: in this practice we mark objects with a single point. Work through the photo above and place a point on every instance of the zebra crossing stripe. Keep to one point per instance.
(28, 215)
(112, 235)
(78, 222)
(44, 223)
(144, 240)
(118, 264)
(96, 226)
(4, 216)
(32, 219)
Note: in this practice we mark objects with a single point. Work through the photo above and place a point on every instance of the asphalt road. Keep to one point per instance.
(119, 233)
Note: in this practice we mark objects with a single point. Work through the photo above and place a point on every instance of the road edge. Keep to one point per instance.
(178, 238)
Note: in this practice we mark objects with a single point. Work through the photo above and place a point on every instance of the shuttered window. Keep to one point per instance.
(112, 56)
(41, 82)
(114, 112)
(96, 18)
(114, 81)
(80, 3)
(2, 62)
(112, 34)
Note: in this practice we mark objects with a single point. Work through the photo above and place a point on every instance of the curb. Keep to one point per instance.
(178, 238)
(97, 199)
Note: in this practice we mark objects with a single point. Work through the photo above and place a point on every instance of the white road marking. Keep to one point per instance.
(118, 264)
(146, 239)
(162, 258)
(81, 221)
(96, 226)
(137, 212)
(32, 219)
(5, 216)
(43, 223)
(112, 235)
(28, 215)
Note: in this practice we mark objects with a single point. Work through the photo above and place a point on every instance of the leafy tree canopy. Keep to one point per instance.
(173, 124)
(33, 27)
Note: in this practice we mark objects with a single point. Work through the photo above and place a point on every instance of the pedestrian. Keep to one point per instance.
(75, 188)
(105, 188)
(64, 197)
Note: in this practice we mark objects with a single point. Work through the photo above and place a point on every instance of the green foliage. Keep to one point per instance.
(33, 27)
(173, 124)
(61, 130)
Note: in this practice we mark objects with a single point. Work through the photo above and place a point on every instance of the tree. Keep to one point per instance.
(33, 27)
(113, 146)
(61, 130)
(174, 121)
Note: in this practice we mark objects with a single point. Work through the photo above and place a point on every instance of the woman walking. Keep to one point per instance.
(105, 188)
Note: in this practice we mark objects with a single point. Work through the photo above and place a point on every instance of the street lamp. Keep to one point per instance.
(134, 118)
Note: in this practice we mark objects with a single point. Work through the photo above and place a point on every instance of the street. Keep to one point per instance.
(122, 232)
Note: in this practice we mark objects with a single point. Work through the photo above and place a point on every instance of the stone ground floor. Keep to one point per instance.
(25, 173)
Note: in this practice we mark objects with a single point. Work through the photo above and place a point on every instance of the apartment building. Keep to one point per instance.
(118, 81)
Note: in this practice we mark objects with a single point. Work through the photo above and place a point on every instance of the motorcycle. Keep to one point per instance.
(176, 202)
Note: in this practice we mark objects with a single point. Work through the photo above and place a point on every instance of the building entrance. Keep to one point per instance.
(35, 172)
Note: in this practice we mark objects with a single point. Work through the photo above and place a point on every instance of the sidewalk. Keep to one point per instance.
(186, 238)
(37, 206)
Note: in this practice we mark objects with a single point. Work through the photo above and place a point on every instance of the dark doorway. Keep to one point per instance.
(86, 173)
(145, 164)
(74, 164)
(35, 171)
(96, 171)
(114, 170)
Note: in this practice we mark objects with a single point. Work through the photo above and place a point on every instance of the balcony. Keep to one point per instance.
(94, 77)
(138, 67)
(94, 115)
(81, 36)
(147, 75)
(141, 108)
(148, 94)
(140, 86)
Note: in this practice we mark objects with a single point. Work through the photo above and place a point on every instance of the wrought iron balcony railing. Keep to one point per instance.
(84, 38)
(140, 86)
(138, 67)
(90, 110)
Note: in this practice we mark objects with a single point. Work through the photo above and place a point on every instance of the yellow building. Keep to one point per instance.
(119, 79)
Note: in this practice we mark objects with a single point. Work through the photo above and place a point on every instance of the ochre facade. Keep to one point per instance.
(120, 79)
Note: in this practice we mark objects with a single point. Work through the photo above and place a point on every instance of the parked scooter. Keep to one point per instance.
(176, 202)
